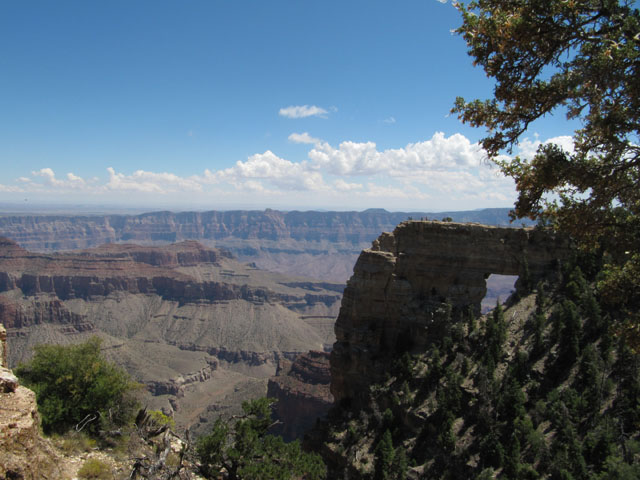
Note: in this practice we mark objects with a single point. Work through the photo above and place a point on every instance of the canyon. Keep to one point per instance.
(195, 326)
(198, 327)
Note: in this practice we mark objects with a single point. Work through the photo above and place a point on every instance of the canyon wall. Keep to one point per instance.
(321, 245)
(183, 319)
(302, 392)
(420, 275)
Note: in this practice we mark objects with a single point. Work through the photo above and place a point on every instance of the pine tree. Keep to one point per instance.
(385, 456)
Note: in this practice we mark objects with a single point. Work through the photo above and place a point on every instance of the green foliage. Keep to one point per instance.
(558, 405)
(245, 450)
(570, 333)
(161, 419)
(76, 386)
(93, 468)
(390, 463)
(494, 336)
(580, 58)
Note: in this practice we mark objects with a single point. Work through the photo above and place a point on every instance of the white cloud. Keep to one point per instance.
(303, 138)
(439, 153)
(150, 182)
(50, 180)
(343, 186)
(302, 111)
(11, 189)
(527, 148)
(443, 171)
(277, 171)
(390, 120)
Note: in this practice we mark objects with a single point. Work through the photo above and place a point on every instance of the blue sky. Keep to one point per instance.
(242, 104)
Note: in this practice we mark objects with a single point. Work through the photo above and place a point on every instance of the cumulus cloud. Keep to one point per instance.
(302, 111)
(438, 153)
(443, 171)
(343, 186)
(303, 138)
(277, 171)
(72, 181)
(11, 189)
(527, 148)
(150, 182)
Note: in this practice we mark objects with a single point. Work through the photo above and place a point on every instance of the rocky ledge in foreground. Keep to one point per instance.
(24, 454)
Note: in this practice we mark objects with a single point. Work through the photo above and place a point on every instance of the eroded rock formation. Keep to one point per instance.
(174, 316)
(302, 391)
(401, 287)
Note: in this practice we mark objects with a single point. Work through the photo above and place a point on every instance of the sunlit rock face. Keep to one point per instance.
(401, 286)
(24, 453)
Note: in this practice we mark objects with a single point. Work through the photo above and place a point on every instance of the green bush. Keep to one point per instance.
(245, 450)
(76, 386)
(95, 469)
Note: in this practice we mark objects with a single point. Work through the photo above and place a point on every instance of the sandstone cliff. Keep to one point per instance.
(23, 453)
(401, 286)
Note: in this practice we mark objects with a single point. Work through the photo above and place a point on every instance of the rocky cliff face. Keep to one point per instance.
(302, 391)
(23, 453)
(314, 244)
(403, 285)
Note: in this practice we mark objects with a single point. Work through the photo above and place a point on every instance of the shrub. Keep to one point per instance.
(76, 386)
(95, 469)
(246, 451)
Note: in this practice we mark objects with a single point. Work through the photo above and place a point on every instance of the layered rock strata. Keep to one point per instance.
(302, 391)
(69, 232)
(178, 317)
(312, 244)
(401, 288)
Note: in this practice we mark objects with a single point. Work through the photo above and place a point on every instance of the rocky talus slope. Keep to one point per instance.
(321, 245)
(181, 318)
(400, 286)
(302, 391)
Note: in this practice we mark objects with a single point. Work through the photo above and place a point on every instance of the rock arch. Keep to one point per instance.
(399, 285)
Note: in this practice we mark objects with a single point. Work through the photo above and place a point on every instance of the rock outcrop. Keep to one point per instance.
(402, 286)
(24, 454)
(302, 391)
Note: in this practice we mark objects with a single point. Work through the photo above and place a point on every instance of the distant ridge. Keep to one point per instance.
(317, 244)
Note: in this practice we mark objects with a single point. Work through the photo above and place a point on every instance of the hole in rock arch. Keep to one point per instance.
(498, 286)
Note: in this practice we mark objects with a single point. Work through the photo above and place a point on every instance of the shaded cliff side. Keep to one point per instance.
(302, 391)
(404, 284)
(544, 387)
